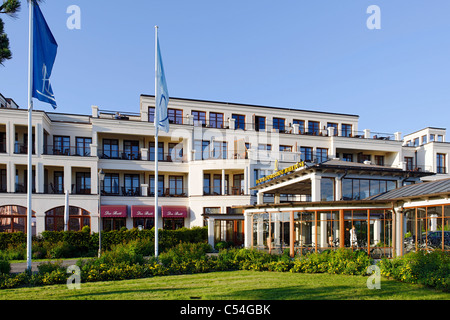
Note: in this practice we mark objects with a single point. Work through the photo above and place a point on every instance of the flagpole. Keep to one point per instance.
(30, 135)
(156, 144)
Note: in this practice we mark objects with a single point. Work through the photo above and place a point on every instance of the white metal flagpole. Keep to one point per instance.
(30, 135)
(156, 144)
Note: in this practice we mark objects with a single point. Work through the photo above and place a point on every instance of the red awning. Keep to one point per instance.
(142, 211)
(174, 211)
(113, 211)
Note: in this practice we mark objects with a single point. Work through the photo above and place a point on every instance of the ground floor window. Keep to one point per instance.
(173, 223)
(13, 219)
(145, 223)
(426, 228)
(110, 224)
(231, 231)
(78, 218)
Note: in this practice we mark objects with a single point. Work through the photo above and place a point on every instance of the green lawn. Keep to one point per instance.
(232, 285)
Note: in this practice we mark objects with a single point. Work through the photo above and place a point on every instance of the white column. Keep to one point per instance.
(211, 231)
(11, 177)
(323, 231)
(68, 178)
(247, 230)
(223, 182)
(94, 178)
(39, 167)
(38, 138)
(315, 187)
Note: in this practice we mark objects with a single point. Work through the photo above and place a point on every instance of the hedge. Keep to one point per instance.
(73, 244)
(125, 261)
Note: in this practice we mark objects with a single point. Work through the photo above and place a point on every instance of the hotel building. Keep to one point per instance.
(209, 165)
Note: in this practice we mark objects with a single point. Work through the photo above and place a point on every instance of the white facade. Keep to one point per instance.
(227, 144)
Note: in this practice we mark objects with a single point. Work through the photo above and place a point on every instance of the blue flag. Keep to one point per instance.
(161, 95)
(44, 54)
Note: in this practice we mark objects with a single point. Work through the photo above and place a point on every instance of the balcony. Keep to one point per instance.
(66, 151)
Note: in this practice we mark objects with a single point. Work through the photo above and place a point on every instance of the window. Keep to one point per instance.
(2, 180)
(301, 125)
(83, 146)
(131, 150)
(424, 139)
(216, 120)
(145, 223)
(347, 157)
(238, 184)
(131, 186)
(346, 130)
(160, 185)
(416, 142)
(278, 123)
(175, 116)
(61, 145)
(160, 151)
(313, 127)
(3, 142)
(358, 189)
(175, 152)
(267, 147)
(306, 153)
(151, 114)
(111, 183)
(206, 184)
(260, 123)
(201, 148)
(219, 150)
(173, 223)
(409, 163)
(326, 189)
(333, 125)
(13, 219)
(58, 180)
(199, 117)
(212, 210)
(363, 157)
(286, 148)
(322, 154)
(431, 137)
(176, 185)
(217, 184)
(239, 121)
(440, 163)
(110, 224)
(83, 183)
(440, 138)
(78, 218)
(379, 160)
(205, 149)
(111, 148)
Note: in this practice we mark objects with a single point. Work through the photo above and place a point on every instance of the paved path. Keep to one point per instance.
(20, 267)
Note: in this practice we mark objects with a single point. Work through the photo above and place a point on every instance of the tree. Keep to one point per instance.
(10, 8)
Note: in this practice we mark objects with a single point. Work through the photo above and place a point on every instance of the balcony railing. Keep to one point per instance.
(67, 151)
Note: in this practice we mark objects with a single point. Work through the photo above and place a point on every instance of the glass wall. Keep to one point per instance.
(426, 228)
(328, 230)
(358, 189)
(315, 231)
(304, 232)
(280, 230)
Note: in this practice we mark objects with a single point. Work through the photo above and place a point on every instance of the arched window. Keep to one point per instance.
(78, 218)
(13, 218)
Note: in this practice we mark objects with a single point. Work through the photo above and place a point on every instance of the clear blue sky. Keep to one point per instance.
(305, 54)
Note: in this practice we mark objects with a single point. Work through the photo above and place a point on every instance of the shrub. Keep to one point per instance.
(184, 252)
(430, 269)
(5, 266)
